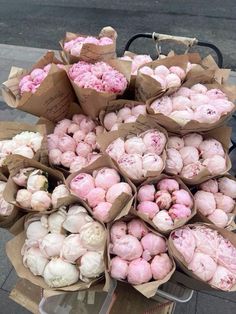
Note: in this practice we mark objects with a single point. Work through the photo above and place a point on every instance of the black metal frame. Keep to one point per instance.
(199, 43)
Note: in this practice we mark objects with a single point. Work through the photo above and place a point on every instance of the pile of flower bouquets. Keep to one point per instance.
(126, 172)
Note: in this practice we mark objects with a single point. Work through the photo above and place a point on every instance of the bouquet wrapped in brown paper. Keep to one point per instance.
(23, 139)
(206, 253)
(138, 149)
(121, 111)
(77, 47)
(103, 189)
(216, 201)
(51, 99)
(51, 251)
(95, 90)
(137, 254)
(165, 203)
(199, 105)
(197, 157)
(155, 79)
(9, 213)
(33, 186)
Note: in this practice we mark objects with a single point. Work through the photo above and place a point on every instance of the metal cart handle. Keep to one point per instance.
(187, 41)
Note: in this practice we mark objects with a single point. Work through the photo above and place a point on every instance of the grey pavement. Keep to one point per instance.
(42, 23)
(201, 303)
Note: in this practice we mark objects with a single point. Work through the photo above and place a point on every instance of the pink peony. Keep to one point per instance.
(79, 136)
(223, 279)
(77, 118)
(206, 114)
(78, 163)
(139, 110)
(179, 211)
(203, 266)
(184, 241)
(135, 145)
(153, 244)
(163, 221)
(62, 127)
(205, 202)
(189, 155)
(148, 208)
(161, 265)
(109, 120)
(226, 254)
(82, 184)
(96, 196)
(139, 271)
(152, 162)
(101, 211)
(181, 103)
(67, 158)
(73, 128)
(174, 162)
(192, 170)
(116, 149)
(163, 199)
(87, 125)
(123, 113)
(199, 88)
(224, 202)
(178, 71)
(127, 247)
(106, 178)
(137, 228)
(162, 105)
(182, 197)
(175, 142)
(172, 80)
(223, 106)
(116, 190)
(210, 148)
(219, 218)
(146, 193)
(131, 164)
(83, 149)
(182, 117)
(210, 186)
(227, 186)
(193, 139)
(169, 185)
(119, 268)
(215, 93)
(215, 165)
(118, 229)
(53, 141)
(66, 143)
(207, 240)
(155, 141)
(183, 91)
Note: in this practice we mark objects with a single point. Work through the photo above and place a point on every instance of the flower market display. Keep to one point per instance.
(125, 174)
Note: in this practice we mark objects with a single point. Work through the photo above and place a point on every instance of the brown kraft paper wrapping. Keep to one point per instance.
(7, 222)
(91, 52)
(193, 125)
(142, 124)
(178, 223)
(51, 100)
(116, 105)
(147, 87)
(231, 216)
(147, 289)
(123, 203)
(17, 162)
(9, 129)
(183, 265)
(222, 135)
(91, 101)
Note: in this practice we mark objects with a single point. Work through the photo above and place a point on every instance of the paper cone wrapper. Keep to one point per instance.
(147, 87)
(222, 135)
(7, 222)
(91, 101)
(51, 100)
(17, 162)
(90, 52)
(194, 126)
(123, 203)
(13, 250)
(115, 106)
(178, 223)
(142, 124)
(181, 261)
(231, 216)
(147, 289)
